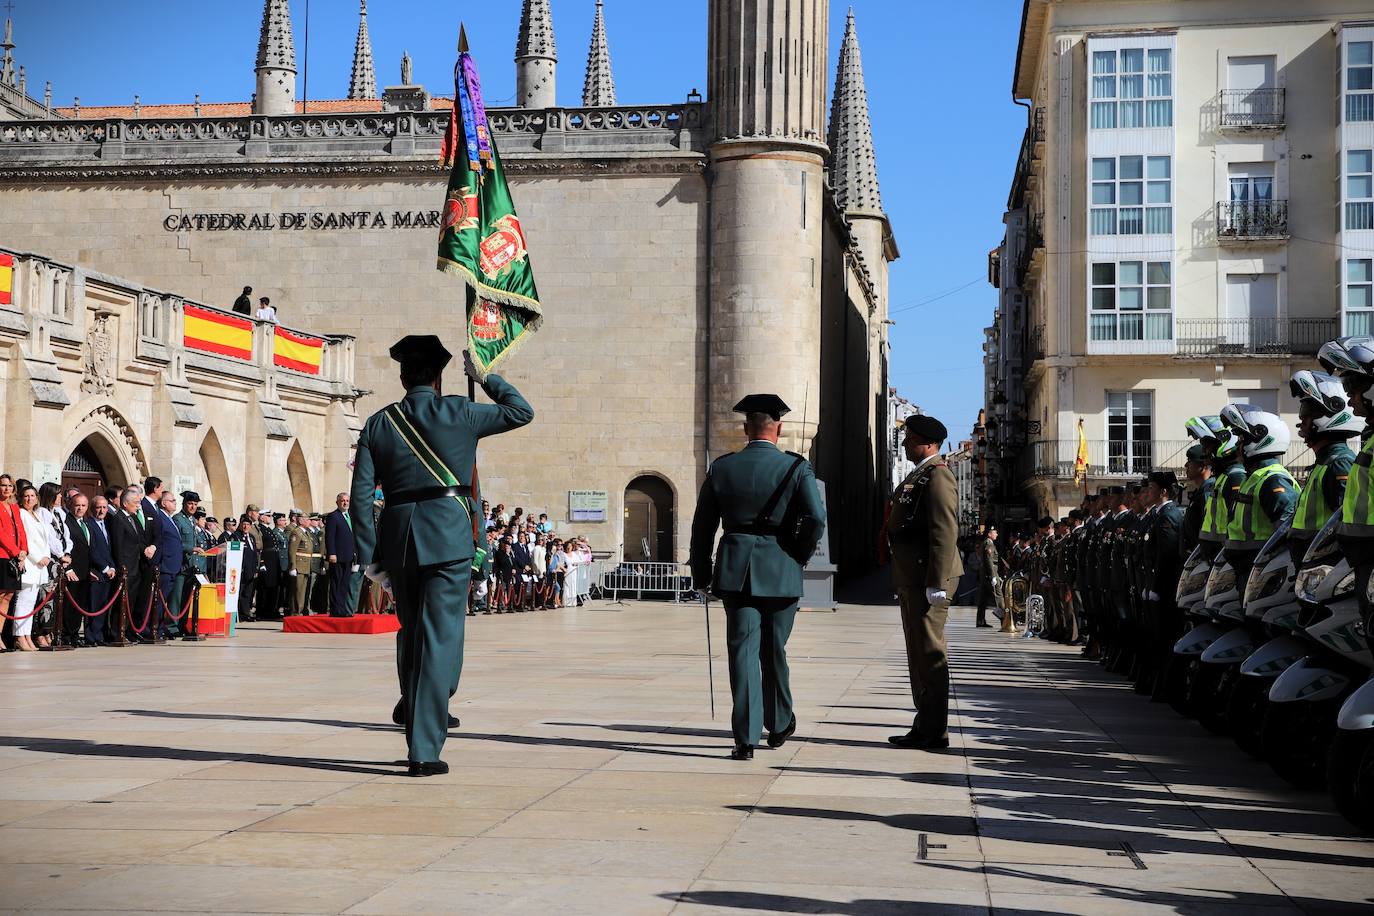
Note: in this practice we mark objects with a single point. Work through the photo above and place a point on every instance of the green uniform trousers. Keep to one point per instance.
(431, 603)
(756, 631)
(926, 662)
(300, 586)
(355, 591)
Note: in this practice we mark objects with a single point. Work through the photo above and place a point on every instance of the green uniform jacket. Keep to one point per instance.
(736, 491)
(923, 529)
(186, 527)
(438, 530)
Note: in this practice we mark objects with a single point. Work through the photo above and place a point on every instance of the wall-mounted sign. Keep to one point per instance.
(254, 222)
(588, 505)
(46, 472)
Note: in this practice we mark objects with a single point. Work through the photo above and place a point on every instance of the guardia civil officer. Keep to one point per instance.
(1163, 564)
(1325, 424)
(1269, 494)
(1228, 474)
(767, 502)
(923, 535)
(421, 452)
(1200, 483)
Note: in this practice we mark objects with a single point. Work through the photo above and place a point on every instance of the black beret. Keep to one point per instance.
(770, 404)
(421, 348)
(926, 427)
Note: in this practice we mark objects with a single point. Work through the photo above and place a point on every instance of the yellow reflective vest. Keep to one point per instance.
(1249, 526)
(1357, 512)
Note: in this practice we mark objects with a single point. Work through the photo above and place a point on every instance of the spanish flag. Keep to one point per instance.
(6, 279)
(296, 351)
(215, 332)
(1080, 461)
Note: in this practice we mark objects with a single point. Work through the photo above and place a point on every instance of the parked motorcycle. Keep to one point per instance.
(1350, 764)
(1223, 611)
(1192, 588)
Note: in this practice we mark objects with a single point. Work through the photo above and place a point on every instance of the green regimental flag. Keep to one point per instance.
(481, 239)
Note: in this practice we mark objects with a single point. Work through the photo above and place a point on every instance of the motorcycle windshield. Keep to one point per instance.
(1278, 541)
(1324, 546)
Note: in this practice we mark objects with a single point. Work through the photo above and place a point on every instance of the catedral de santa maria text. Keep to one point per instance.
(437, 479)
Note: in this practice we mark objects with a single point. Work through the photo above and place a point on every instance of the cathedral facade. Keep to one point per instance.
(740, 246)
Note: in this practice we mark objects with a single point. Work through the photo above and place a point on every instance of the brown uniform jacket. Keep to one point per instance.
(923, 529)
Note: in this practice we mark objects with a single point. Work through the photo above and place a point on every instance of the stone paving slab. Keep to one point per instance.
(261, 775)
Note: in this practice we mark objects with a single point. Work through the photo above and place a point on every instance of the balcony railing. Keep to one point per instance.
(1254, 336)
(1038, 125)
(1251, 109)
(1054, 459)
(1252, 220)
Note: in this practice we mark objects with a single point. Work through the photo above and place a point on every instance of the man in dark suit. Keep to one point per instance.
(421, 452)
(923, 538)
(338, 547)
(251, 566)
(169, 560)
(78, 572)
(103, 572)
(768, 503)
(152, 496)
(133, 552)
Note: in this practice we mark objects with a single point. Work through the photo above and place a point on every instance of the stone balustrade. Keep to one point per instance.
(625, 131)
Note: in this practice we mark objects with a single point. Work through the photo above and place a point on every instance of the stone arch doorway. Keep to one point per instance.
(220, 498)
(299, 474)
(649, 520)
(102, 442)
(85, 470)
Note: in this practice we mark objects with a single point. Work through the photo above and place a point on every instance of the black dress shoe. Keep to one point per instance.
(437, 768)
(913, 741)
(778, 739)
(742, 752)
(983, 624)
(398, 715)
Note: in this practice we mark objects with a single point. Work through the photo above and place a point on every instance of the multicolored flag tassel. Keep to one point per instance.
(481, 239)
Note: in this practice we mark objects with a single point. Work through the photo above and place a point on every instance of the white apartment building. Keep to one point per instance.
(1191, 217)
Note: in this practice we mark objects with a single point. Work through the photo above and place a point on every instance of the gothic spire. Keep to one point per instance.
(536, 31)
(363, 83)
(7, 61)
(853, 170)
(276, 50)
(598, 89)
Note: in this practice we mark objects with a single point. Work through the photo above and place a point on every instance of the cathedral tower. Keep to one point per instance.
(536, 58)
(767, 169)
(362, 83)
(276, 62)
(853, 169)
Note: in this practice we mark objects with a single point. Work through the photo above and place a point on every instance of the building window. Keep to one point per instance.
(1130, 432)
(1359, 296)
(1359, 81)
(1132, 196)
(1132, 300)
(1359, 189)
(1132, 87)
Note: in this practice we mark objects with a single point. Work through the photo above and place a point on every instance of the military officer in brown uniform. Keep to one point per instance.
(923, 534)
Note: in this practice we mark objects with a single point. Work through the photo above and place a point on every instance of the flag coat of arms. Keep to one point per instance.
(481, 239)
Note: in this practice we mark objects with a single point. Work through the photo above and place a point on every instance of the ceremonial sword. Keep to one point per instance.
(710, 662)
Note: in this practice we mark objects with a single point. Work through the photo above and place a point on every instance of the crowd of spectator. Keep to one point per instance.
(121, 566)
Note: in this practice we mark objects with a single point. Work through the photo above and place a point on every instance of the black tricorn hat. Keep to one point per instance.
(770, 404)
(926, 427)
(421, 348)
(190, 495)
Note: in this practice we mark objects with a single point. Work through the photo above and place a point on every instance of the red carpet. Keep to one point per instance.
(366, 624)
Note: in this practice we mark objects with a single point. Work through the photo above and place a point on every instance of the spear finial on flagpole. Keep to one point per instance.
(462, 39)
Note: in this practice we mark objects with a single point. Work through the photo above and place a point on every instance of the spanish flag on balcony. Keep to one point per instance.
(297, 351)
(1080, 462)
(215, 332)
(6, 279)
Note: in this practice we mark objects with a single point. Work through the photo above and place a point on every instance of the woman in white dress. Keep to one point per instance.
(36, 563)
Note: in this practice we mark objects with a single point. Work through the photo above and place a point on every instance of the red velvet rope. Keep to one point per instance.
(138, 628)
(47, 601)
(175, 618)
(82, 611)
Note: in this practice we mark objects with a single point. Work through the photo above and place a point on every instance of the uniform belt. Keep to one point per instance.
(424, 494)
(759, 530)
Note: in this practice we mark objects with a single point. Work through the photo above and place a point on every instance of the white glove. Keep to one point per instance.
(936, 596)
(1152, 596)
(1145, 593)
(293, 574)
(379, 575)
(356, 567)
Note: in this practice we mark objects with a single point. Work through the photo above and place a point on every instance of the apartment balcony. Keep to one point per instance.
(1035, 343)
(1251, 109)
(1038, 129)
(1254, 336)
(1050, 459)
(1252, 221)
(1032, 254)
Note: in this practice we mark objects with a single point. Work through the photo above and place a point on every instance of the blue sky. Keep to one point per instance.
(938, 83)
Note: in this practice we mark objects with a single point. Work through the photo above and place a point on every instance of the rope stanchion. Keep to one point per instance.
(193, 632)
(119, 633)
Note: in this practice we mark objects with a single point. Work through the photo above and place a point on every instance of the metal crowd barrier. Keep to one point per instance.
(654, 579)
(583, 578)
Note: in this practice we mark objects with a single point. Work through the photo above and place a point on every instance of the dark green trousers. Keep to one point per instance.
(756, 631)
(431, 602)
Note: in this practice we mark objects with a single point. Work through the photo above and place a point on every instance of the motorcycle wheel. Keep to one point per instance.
(1176, 678)
(1350, 776)
(1295, 738)
(1245, 707)
(1202, 695)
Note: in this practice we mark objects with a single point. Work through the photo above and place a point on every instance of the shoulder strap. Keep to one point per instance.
(765, 516)
(419, 447)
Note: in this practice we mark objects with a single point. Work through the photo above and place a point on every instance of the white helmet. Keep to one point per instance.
(1322, 401)
(1262, 434)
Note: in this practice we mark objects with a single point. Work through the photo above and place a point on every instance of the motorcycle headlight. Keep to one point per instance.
(1263, 585)
(1310, 579)
(1345, 586)
(1223, 579)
